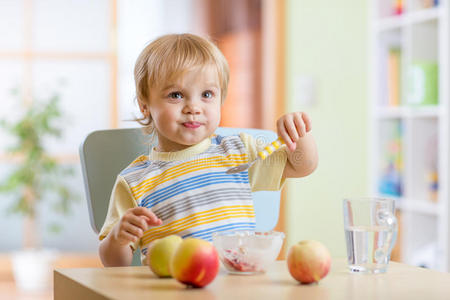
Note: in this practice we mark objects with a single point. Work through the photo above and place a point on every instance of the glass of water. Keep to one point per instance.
(370, 233)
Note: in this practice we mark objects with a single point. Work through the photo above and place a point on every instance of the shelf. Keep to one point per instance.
(419, 207)
(414, 206)
(400, 112)
(423, 15)
(397, 22)
(409, 55)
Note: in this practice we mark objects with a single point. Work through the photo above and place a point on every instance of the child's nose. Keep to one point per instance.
(191, 107)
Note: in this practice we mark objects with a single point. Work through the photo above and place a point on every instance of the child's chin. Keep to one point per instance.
(192, 142)
(194, 139)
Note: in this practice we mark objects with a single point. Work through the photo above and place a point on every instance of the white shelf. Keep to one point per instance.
(415, 139)
(419, 207)
(423, 15)
(406, 19)
(389, 23)
(401, 112)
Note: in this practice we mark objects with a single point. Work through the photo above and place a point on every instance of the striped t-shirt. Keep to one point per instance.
(190, 191)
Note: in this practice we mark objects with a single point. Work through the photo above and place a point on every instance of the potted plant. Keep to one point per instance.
(37, 177)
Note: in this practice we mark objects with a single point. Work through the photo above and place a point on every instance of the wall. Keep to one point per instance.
(44, 49)
(62, 48)
(140, 22)
(327, 41)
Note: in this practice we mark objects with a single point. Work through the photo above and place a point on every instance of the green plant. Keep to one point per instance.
(37, 175)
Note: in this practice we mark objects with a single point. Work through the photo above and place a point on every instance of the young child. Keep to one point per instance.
(181, 186)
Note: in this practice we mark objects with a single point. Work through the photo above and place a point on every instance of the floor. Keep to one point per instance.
(8, 288)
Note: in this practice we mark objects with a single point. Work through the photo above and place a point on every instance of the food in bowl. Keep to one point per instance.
(248, 252)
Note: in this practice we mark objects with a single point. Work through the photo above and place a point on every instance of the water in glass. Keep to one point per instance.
(367, 250)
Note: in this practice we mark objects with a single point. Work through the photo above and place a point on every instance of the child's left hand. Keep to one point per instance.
(293, 126)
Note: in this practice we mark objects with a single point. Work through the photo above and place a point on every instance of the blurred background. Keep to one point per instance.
(372, 75)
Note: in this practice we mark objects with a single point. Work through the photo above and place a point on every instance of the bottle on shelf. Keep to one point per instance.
(394, 76)
(432, 176)
(422, 83)
(391, 182)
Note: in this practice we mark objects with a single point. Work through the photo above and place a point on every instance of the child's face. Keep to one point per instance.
(187, 110)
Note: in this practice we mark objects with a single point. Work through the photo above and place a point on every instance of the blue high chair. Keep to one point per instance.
(104, 153)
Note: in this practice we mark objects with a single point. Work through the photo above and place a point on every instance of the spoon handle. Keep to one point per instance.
(271, 148)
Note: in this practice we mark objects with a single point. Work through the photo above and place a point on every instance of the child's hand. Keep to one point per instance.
(133, 224)
(293, 126)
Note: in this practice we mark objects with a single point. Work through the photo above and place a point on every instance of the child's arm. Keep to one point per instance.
(302, 156)
(115, 249)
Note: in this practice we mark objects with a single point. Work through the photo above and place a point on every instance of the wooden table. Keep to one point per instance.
(400, 282)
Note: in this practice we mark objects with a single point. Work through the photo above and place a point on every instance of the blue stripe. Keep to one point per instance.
(189, 188)
(190, 184)
(216, 140)
(241, 175)
(142, 165)
(226, 227)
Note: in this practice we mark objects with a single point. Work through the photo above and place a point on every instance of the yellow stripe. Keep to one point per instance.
(189, 164)
(139, 159)
(177, 171)
(170, 231)
(207, 213)
(199, 215)
(262, 154)
(155, 183)
(201, 275)
(196, 221)
(269, 149)
(195, 224)
(276, 144)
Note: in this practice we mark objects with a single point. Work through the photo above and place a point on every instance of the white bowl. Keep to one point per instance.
(248, 252)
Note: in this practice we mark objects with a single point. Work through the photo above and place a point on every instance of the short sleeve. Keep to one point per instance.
(121, 200)
(266, 175)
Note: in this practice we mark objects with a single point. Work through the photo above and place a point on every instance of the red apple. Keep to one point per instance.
(308, 261)
(195, 262)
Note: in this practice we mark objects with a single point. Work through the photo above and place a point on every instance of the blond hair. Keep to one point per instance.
(168, 57)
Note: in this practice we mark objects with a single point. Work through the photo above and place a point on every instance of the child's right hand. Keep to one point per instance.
(133, 224)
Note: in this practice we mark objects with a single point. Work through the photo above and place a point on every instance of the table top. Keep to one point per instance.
(400, 282)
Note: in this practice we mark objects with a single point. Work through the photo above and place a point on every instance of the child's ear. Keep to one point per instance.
(144, 108)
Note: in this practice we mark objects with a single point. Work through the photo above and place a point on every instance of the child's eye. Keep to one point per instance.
(207, 94)
(175, 95)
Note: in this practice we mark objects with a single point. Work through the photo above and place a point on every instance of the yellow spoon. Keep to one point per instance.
(262, 155)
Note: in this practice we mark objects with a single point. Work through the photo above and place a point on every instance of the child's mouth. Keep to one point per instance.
(192, 125)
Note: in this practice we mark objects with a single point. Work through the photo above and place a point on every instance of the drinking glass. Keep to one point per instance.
(370, 233)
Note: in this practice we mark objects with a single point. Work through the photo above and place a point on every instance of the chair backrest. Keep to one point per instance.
(105, 153)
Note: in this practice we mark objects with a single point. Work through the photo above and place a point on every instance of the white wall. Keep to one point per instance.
(75, 26)
(140, 22)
